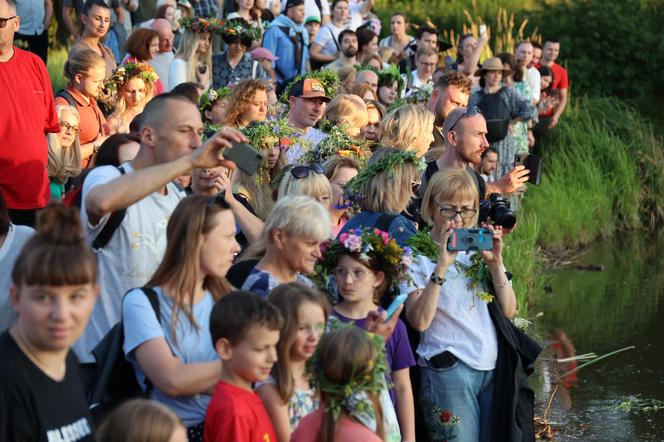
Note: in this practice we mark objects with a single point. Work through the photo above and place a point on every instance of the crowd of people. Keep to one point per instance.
(256, 307)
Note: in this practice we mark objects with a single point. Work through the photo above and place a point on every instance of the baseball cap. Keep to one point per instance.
(293, 3)
(312, 18)
(263, 54)
(308, 88)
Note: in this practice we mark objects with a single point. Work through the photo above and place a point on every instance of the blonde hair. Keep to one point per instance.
(347, 76)
(80, 61)
(404, 125)
(297, 216)
(390, 190)
(64, 163)
(361, 89)
(453, 185)
(187, 52)
(347, 109)
(139, 420)
(121, 103)
(314, 185)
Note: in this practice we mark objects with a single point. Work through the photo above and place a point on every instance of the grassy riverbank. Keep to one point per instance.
(602, 175)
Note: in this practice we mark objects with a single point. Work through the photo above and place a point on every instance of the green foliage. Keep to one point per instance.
(56, 60)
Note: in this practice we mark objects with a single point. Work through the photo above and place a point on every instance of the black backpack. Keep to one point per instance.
(114, 380)
(497, 114)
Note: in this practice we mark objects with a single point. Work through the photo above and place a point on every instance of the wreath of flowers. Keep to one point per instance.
(388, 164)
(373, 247)
(263, 135)
(423, 244)
(121, 75)
(420, 94)
(338, 143)
(327, 78)
(239, 27)
(389, 75)
(209, 97)
(352, 396)
(200, 25)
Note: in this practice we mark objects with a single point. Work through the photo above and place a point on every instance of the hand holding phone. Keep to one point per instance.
(470, 239)
(245, 157)
(396, 303)
(531, 162)
(482, 30)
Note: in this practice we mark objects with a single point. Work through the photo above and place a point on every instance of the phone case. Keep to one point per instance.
(396, 303)
(245, 157)
(531, 162)
(470, 239)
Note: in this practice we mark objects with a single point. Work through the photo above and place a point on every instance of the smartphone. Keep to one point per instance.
(482, 29)
(245, 157)
(531, 162)
(398, 301)
(470, 239)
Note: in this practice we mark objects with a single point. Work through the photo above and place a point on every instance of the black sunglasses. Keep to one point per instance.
(3, 21)
(302, 171)
(469, 112)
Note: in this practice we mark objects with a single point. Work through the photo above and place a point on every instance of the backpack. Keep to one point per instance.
(496, 111)
(114, 379)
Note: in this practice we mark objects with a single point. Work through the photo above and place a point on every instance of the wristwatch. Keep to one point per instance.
(436, 279)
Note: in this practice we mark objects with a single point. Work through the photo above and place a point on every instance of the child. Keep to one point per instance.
(348, 369)
(366, 264)
(54, 289)
(142, 420)
(245, 332)
(287, 394)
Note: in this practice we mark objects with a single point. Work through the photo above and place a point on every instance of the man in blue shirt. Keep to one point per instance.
(35, 17)
(288, 39)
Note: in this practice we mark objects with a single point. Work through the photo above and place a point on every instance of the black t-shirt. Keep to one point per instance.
(34, 407)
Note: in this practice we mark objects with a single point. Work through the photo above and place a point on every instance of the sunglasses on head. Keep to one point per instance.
(302, 171)
(469, 112)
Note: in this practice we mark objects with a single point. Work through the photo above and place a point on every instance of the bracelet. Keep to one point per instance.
(500, 286)
(437, 279)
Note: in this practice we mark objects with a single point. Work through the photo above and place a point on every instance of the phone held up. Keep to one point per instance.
(531, 162)
(243, 155)
(463, 240)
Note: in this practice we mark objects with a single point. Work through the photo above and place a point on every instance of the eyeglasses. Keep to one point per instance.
(66, 127)
(357, 275)
(3, 21)
(451, 212)
(469, 112)
(302, 171)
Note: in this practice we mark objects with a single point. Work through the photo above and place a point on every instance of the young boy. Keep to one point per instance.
(245, 332)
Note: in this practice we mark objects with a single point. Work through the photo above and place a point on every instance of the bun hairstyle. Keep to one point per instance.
(57, 254)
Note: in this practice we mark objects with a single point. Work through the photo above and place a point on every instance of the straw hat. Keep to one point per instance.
(491, 64)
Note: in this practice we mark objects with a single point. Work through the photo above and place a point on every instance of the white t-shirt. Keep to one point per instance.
(177, 73)
(16, 237)
(415, 83)
(162, 64)
(534, 80)
(462, 324)
(311, 138)
(131, 256)
(328, 39)
(355, 18)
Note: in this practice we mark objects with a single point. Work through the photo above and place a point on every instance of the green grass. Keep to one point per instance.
(56, 60)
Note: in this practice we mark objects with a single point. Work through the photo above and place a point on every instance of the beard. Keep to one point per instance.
(349, 52)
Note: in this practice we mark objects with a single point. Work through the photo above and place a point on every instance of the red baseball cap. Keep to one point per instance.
(308, 88)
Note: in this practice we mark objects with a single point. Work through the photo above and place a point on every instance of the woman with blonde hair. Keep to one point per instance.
(408, 127)
(142, 420)
(132, 86)
(383, 190)
(290, 245)
(248, 103)
(371, 132)
(308, 180)
(364, 91)
(64, 151)
(193, 60)
(349, 111)
(347, 75)
(172, 355)
(339, 171)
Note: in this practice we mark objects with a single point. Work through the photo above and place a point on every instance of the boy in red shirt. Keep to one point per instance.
(245, 332)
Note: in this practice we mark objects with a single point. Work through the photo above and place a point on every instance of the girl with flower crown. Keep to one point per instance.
(449, 305)
(193, 60)
(132, 86)
(367, 266)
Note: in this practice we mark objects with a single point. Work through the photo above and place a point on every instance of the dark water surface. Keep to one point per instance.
(600, 312)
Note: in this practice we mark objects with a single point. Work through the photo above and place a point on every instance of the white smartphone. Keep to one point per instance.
(482, 29)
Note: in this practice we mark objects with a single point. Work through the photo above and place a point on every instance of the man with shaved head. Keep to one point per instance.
(368, 77)
(162, 61)
(142, 196)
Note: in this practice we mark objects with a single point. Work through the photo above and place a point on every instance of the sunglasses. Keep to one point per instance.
(3, 21)
(302, 171)
(469, 112)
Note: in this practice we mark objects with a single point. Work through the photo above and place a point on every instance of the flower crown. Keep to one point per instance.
(388, 164)
(263, 135)
(327, 78)
(351, 397)
(208, 98)
(339, 143)
(420, 94)
(374, 247)
(123, 73)
(239, 28)
(389, 75)
(200, 25)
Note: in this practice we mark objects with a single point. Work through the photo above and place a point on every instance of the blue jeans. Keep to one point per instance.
(458, 390)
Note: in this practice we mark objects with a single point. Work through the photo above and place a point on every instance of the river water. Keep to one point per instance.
(602, 311)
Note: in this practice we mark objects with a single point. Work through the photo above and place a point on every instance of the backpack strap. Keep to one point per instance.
(63, 93)
(336, 43)
(479, 182)
(114, 221)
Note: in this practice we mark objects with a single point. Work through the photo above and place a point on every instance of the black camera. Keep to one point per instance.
(498, 208)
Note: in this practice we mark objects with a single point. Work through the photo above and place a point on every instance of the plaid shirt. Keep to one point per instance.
(204, 8)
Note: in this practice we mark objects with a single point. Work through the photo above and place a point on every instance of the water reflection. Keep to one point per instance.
(600, 312)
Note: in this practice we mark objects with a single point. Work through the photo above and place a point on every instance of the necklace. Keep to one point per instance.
(20, 339)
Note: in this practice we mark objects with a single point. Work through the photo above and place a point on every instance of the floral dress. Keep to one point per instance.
(519, 129)
(302, 402)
